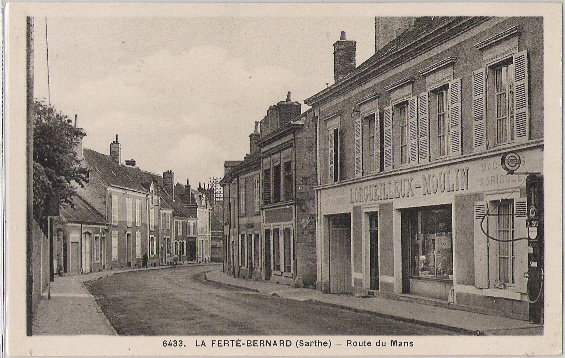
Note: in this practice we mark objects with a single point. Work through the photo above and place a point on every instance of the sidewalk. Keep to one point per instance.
(456, 320)
(72, 310)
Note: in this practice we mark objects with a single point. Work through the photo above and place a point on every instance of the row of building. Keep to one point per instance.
(128, 217)
(391, 183)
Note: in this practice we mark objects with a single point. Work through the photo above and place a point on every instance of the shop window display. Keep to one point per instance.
(432, 245)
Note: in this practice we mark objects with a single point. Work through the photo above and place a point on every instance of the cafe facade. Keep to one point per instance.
(412, 199)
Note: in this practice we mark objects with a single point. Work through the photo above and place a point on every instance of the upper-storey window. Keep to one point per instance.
(287, 181)
(276, 183)
(441, 120)
(500, 94)
(367, 138)
(504, 101)
(256, 191)
(401, 110)
(114, 209)
(242, 199)
(267, 185)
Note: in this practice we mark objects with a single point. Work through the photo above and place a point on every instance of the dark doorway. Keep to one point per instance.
(267, 254)
(409, 230)
(374, 250)
(340, 253)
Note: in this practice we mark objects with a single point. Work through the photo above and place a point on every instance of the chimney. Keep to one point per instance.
(116, 150)
(169, 183)
(287, 110)
(188, 192)
(389, 28)
(253, 138)
(344, 57)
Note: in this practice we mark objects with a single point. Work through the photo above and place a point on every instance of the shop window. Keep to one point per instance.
(267, 186)
(287, 239)
(432, 244)
(287, 181)
(505, 230)
(276, 251)
(276, 183)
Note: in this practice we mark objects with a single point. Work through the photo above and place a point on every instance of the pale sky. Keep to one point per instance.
(184, 93)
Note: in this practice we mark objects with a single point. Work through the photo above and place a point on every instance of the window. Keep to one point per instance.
(287, 181)
(267, 186)
(242, 251)
(114, 245)
(503, 100)
(402, 110)
(138, 244)
(168, 244)
(257, 193)
(129, 212)
(333, 154)
(152, 218)
(505, 230)
(249, 250)
(168, 220)
(114, 209)
(242, 197)
(138, 212)
(441, 103)
(276, 250)
(371, 147)
(432, 249)
(287, 238)
(256, 251)
(276, 183)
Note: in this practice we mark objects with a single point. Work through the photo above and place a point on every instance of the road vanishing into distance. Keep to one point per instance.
(180, 301)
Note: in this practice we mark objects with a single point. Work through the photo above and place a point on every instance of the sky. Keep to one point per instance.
(184, 93)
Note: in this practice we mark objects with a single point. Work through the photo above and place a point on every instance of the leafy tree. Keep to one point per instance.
(56, 166)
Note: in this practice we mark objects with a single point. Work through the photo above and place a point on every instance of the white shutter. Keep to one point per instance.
(129, 212)
(387, 138)
(114, 209)
(481, 245)
(479, 110)
(358, 147)
(413, 128)
(455, 117)
(377, 141)
(520, 246)
(423, 128)
(331, 155)
(137, 212)
(114, 245)
(521, 106)
(138, 244)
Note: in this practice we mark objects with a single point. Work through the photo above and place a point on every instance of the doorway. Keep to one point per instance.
(75, 257)
(267, 252)
(128, 249)
(340, 253)
(374, 250)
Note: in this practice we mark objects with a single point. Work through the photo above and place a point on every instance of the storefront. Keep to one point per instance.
(433, 231)
(278, 234)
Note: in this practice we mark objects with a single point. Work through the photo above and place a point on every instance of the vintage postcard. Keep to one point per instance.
(291, 179)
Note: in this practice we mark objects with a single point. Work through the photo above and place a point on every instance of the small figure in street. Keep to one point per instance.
(144, 262)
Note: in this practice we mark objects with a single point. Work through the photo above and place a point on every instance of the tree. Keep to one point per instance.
(56, 166)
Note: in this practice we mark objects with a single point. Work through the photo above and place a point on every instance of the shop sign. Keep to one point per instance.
(451, 180)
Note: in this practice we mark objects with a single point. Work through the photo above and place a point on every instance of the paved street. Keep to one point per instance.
(181, 302)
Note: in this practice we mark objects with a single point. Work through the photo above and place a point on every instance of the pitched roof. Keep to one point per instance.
(79, 211)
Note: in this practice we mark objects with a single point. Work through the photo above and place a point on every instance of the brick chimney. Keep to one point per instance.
(169, 183)
(116, 150)
(344, 57)
(253, 138)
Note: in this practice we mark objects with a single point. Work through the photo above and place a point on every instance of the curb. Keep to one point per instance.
(231, 285)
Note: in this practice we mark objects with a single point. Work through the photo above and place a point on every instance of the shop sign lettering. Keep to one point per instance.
(452, 180)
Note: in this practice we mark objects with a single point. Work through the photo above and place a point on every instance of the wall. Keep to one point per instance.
(39, 264)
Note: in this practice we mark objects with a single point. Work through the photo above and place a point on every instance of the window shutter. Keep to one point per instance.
(377, 142)
(481, 246)
(413, 128)
(138, 244)
(424, 128)
(455, 117)
(387, 138)
(114, 245)
(358, 146)
(521, 107)
(479, 110)
(331, 155)
(520, 246)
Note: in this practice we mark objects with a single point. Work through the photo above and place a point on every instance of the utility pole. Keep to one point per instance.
(29, 129)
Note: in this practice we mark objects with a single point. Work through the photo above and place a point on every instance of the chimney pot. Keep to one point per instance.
(288, 96)
(342, 37)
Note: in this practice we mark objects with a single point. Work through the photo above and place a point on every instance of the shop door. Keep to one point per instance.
(267, 252)
(340, 254)
(374, 251)
(75, 257)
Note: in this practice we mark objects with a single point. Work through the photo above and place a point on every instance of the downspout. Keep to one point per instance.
(295, 191)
